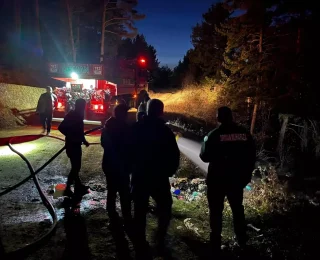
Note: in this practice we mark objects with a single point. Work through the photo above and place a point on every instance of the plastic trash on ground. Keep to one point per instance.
(188, 190)
(58, 190)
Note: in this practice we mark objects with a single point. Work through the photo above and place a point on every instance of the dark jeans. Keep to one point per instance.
(216, 194)
(46, 119)
(160, 192)
(122, 186)
(74, 152)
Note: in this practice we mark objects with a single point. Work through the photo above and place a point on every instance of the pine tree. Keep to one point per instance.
(118, 18)
(248, 53)
(208, 44)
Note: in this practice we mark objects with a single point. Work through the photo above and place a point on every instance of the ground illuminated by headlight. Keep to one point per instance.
(24, 148)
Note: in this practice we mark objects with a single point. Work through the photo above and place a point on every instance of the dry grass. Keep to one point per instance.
(198, 101)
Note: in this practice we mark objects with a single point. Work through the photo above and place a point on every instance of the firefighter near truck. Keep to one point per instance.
(102, 86)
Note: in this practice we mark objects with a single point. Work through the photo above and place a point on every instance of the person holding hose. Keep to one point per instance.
(230, 151)
(73, 128)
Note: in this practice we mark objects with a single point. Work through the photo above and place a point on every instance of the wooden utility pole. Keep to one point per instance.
(256, 100)
(73, 49)
(103, 30)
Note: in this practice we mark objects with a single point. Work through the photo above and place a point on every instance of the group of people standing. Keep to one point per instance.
(138, 160)
(147, 151)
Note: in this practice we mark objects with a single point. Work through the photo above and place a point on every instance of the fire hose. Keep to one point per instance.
(22, 252)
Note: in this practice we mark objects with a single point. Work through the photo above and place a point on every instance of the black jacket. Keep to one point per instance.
(115, 140)
(156, 153)
(73, 128)
(231, 154)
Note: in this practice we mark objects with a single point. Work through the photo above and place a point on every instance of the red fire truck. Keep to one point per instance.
(88, 81)
(98, 98)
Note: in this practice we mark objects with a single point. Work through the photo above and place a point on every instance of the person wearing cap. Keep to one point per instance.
(116, 164)
(45, 109)
(230, 151)
(156, 157)
(73, 128)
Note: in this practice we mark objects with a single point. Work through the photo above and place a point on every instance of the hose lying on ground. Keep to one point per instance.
(22, 252)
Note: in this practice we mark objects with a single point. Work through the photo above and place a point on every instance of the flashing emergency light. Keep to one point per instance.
(59, 105)
(74, 75)
(142, 61)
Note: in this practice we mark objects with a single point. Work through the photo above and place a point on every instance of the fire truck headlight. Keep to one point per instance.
(101, 107)
(96, 107)
(74, 75)
(59, 104)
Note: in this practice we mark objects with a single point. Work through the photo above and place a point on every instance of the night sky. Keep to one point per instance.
(168, 25)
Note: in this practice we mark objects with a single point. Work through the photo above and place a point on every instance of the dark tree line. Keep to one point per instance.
(264, 50)
(84, 31)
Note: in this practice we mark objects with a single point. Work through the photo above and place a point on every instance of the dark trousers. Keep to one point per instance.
(74, 152)
(216, 195)
(161, 193)
(122, 186)
(46, 120)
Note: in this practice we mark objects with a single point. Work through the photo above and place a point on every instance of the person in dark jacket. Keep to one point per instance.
(117, 164)
(230, 152)
(45, 109)
(156, 158)
(73, 128)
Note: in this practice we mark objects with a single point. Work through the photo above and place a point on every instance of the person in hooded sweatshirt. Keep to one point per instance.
(116, 164)
(155, 159)
(73, 128)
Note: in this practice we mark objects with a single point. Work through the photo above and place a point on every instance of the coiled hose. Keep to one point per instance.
(22, 252)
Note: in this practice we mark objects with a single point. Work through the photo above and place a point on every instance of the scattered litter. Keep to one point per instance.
(188, 190)
(58, 190)
(248, 188)
(253, 227)
(191, 226)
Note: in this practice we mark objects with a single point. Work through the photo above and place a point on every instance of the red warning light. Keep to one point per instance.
(142, 61)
